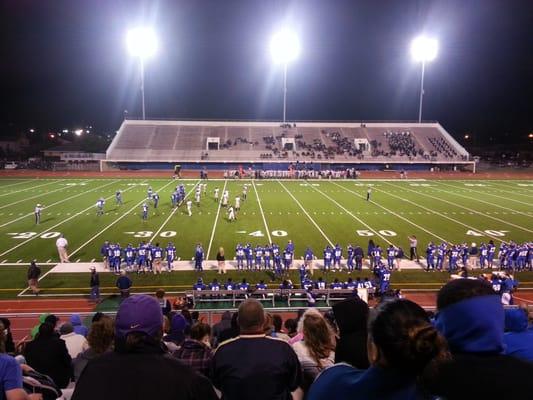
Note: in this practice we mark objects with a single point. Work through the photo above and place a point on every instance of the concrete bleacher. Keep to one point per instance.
(186, 141)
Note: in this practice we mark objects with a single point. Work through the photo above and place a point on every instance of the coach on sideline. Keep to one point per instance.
(62, 245)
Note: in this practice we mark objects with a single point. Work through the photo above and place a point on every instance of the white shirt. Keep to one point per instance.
(76, 344)
(38, 210)
(61, 242)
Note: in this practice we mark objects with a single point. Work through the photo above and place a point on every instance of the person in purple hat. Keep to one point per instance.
(139, 367)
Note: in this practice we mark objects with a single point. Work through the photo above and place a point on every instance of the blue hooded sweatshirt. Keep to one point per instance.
(518, 338)
(79, 328)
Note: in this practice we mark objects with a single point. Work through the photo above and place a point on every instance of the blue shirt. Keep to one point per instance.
(10, 375)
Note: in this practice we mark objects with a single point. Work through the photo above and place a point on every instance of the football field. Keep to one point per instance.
(310, 213)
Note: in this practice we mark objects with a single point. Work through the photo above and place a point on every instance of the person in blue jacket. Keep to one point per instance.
(518, 336)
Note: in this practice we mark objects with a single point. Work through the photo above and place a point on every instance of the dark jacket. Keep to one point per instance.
(34, 271)
(49, 356)
(95, 279)
(351, 316)
(220, 257)
(145, 373)
(123, 282)
(222, 325)
(81, 361)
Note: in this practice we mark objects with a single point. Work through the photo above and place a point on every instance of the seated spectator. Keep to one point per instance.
(178, 325)
(163, 301)
(222, 325)
(518, 338)
(277, 332)
(291, 325)
(196, 351)
(8, 337)
(79, 328)
(75, 343)
(471, 318)
(316, 350)
(255, 366)
(232, 331)
(48, 355)
(402, 342)
(351, 316)
(138, 368)
(100, 341)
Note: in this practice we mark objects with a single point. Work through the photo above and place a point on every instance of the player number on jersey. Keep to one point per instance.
(384, 232)
(488, 232)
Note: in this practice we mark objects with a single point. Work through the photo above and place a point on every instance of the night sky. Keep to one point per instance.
(63, 63)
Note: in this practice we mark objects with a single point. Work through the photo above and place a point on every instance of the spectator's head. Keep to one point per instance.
(97, 316)
(201, 332)
(139, 320)
(46, 330)
(160, 293)
(52, 320)
(470, 316)
(401, 336)
(178, 326)
(66, 328)
(291, 325)
(317, 335)
(277, 322)
(195, 316)
(3, 337)
(251, 317)
(268, 326)
(101, 334)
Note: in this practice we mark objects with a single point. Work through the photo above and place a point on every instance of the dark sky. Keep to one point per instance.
(63, 63)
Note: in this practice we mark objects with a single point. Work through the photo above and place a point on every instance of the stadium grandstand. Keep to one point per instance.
(143, 144)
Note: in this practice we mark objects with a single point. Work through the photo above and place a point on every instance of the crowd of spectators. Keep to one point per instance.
(442, 147)
(401, 143)
(395, 350)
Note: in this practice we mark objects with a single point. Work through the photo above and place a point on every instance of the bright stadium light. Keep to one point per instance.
(142, 43)
(423, 49)
(284, 48)
(78, 132)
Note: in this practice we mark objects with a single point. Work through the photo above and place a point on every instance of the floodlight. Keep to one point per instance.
(424, 49)
(78, 132)
(284, 47)
(141, 42)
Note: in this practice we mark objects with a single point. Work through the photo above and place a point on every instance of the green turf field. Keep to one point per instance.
(312, 213)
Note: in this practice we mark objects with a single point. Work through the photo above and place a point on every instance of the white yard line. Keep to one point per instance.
(352, 215)
(395, 214)
(438, 213)
(30, 188)
(511, 190)
(117, 220)
(171, 214)
(216, 220)
(486, 202)
(471, 209)
(18, 183)
(56, 225)
(58, 202)
(262, 213)
(36, 196)
(307, 214)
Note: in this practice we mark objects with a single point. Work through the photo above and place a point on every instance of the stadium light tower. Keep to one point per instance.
(423, 50)
(285, 48)
(142, 43)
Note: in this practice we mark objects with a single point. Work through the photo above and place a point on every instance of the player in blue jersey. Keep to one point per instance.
(103, 253)
(336, 284)
(157, 256)
(144, 208)
(391, 255)
(100, 206)
(278, 268)
(199, 285)
(118, 197)
(384, 276)
(243, 285)
(328, 256)
(521, 259)
(149, 256)
(214, 286)
(530, 256)
(308, 260)
(170, 252)
(249, 255)
(350, 258)
(230, 285)
(267, 257)
(287, 259)
(464, 254)
(258, 257)
(141, 258)
(496, 283)
(239, 255)
(483, 254)
(454, 256)
(117, 258)
(321, 284)
(149, 193)
(290, 247)
(110, 255)
(174, 199)
(359, 255)
(307, 283)
(129, 257)
(198, 257)
(155, 198)
(491, 251)
(377, 254)
(430, 256)
(286, 285)
(350, 284)
(337, 256)
(261, 285)
(441, 252)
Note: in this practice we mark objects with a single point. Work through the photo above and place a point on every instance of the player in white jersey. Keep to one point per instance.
(189, 207)
(100, 206)
(237, 203)
(37, 212)
(225, 196)
(244, 191)
(145, 211)
(197, 196)
(204, 188)
(149, 193)
(216, 195)
(231, 214)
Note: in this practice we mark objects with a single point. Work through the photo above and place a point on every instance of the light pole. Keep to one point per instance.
(285, 48)
(142, 43)
(423, 49)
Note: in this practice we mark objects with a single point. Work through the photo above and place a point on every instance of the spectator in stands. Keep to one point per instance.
(138, 367)
(178, 325)
(35, 329)
(254, 366)
(100, 341)
(277, 323)
(196, 351)
(402, 342)
(33, 277)
(11, 374)
(9, 345)
(316, 351)
(518, 338)
(163, 301)
(75, 343)
(291, 325)
(233, 330)
(49, 355)
(219, 327)
(124, 284)
(79, 328)
(471, 318)
(351, 316)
